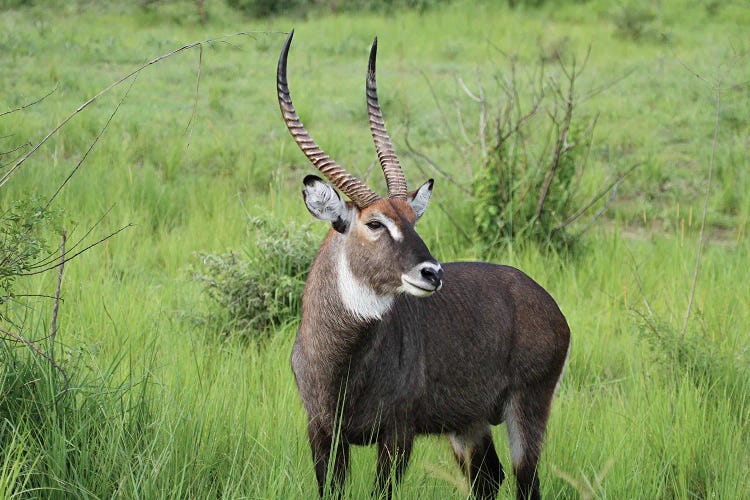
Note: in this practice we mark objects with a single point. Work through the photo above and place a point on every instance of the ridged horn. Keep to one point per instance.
(394, 175)
(352, 187)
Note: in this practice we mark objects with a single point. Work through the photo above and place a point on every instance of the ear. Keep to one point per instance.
(420, 198)
(324, 203)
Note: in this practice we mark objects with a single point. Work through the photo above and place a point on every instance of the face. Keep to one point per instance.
(385, 251)
(382, 249)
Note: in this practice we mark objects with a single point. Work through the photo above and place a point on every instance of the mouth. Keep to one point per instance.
(421, 289)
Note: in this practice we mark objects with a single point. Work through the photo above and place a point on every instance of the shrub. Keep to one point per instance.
(262, 287)
(634, 20)
(266, 8)
(526, 185)
(24, 227)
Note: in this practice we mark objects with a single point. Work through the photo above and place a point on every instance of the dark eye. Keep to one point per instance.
(374, 225)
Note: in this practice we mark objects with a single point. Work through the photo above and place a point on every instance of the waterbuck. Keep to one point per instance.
(393, 344)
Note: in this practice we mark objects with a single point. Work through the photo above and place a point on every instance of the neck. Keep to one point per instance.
(358, 299)
(338, 307)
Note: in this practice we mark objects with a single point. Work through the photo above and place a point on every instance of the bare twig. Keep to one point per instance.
(482, 117)
(38, 351)
(66, 258)
(561, 146)
(447, 122)
(91, 146)
(28, 105)
(596, 198)
(600, 211)
(53, 255)
(109, 87)
(189, 129)
(55, 307)
(702, 238)
(11, 151)
(430, 162)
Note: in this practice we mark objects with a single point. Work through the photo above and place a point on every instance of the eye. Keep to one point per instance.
(374, 225)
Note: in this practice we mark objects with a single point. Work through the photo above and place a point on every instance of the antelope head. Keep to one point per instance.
(382, 251)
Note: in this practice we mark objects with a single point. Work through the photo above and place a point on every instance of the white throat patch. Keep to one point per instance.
(358, 298)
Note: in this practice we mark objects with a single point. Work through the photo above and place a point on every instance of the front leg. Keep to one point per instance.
(393, 457)
(323, 445)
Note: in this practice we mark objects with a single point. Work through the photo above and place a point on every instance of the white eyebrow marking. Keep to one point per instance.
(393, 229)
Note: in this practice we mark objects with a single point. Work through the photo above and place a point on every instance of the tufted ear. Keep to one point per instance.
(420, 198)
(324, 203)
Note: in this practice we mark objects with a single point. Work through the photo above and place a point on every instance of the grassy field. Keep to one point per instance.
(161, 406)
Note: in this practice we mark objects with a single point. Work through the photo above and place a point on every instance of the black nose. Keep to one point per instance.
(432, 275)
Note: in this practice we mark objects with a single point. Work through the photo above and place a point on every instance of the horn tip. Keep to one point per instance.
(289, 37)
(373, 56)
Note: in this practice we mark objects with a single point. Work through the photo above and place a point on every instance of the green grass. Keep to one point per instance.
(160, 408)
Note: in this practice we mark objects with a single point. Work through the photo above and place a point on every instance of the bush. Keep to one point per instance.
(634, 20)
(266, 8)
(262, 288)
(526, 185)
(24, 227)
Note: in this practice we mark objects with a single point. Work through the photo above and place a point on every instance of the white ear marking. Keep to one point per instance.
(324, 203)
(420, 198)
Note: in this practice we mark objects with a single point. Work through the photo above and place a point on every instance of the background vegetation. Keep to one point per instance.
(173, 336)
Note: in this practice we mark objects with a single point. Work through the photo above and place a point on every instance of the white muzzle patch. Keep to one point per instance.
(422, 280)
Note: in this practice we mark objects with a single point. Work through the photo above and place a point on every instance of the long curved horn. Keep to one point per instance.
(394, 176)
(355, 189)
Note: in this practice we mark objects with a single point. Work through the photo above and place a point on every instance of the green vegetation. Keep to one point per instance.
(263, 288)
(157, 405)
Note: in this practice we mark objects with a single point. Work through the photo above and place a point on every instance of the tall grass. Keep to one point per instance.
(160, 407)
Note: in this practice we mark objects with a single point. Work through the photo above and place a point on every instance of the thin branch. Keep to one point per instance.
(38, 351)
(53, 256)
(66, 259)
(701, 239)
(429, 161)
(91, 146)
(37, 295)
(28, 105)
(607, 85)
(189, 129)
(55, 307)
(11, 151)
(442, 113)
(561, 146)
(467, 91)
(109, 87)
(482, 117)
(596, 198)
(600, 212)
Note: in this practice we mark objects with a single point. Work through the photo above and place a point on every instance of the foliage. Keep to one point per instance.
(223, 420)
(634, 19)
(24, 227)
(92, 424)
(262, 289)
(526, 185)
(703, 361)
(266, 8)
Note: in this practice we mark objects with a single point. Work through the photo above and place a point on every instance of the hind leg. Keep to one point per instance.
(475, 453)
(526, 417)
